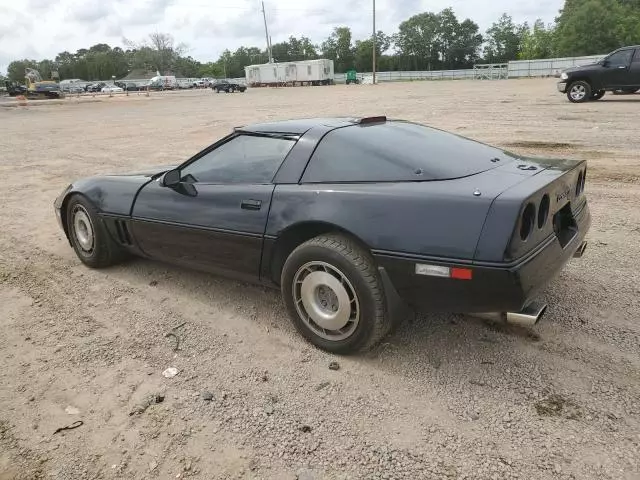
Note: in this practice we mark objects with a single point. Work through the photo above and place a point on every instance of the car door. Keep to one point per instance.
(616, 72)
(213, 219)
(634, 70)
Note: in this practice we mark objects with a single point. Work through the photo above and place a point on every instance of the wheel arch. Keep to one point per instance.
(293, 236)
(64, 207)
(583, 78)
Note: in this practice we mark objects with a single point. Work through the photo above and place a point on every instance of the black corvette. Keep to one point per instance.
(353, 219)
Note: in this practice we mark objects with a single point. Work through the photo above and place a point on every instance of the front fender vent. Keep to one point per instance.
(122, 232)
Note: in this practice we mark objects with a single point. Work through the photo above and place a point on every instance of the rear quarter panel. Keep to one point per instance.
(442, 219)
(557, 180)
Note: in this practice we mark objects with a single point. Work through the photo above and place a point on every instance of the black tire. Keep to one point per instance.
(579, 92)
(103, 252)
(598, 95)
(338, 255)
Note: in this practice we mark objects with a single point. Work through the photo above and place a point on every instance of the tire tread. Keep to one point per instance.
(108, 252)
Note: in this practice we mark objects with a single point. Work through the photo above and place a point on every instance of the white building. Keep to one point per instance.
(310, 72)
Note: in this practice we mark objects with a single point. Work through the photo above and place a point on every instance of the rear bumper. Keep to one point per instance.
(562, 87)
(493, 287)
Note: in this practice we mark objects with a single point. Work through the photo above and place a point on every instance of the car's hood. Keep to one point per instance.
(145, 172)
(588, 66)
(113, 193)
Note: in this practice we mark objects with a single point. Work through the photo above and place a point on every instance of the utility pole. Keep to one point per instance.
(266, 34)
(374, 42)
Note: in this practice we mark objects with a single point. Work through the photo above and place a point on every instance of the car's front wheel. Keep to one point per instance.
(579, 91)
(89, 236)
(334, 294)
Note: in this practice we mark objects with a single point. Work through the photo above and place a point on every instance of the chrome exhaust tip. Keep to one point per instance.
(580, 251)
(527, 317)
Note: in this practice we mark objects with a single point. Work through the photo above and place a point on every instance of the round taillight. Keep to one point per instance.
(579, 184)
(543, 211)
(527, 220)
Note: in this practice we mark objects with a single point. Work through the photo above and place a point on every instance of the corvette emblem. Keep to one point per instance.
(562, 195)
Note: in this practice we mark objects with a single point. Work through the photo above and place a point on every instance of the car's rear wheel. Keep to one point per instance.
(89, 236)
(579, 92)
(598, 95)
(334, 294)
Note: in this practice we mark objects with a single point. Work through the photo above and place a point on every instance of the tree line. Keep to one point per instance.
(426, 41)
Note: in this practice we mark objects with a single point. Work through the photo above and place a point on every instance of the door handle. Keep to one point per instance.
(251, 204)
(622, 67)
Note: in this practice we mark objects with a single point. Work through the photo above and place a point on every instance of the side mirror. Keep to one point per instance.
(605, 63)
(171, 178)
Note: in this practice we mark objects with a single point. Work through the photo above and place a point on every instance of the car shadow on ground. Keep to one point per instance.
(615, 98)
(427, 340)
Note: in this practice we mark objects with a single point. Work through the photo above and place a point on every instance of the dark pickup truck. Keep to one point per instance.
(618, 72)
(227, 87)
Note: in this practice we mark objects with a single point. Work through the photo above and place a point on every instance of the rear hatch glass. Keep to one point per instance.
(396, 151)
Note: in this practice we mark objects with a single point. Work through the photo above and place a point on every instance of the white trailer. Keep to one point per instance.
(307, 72)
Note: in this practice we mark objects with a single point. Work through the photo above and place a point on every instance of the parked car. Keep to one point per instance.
(228, 87)
(72, 88)
(95, 87)
(618, 72)
(128, 86)
(352, 219)
(112, 89)
(159, 86)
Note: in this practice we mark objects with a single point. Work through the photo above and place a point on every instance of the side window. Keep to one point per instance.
(636, 57)
(620, 58)
(243, 159)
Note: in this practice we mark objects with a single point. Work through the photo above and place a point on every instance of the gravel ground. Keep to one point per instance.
(444, 397)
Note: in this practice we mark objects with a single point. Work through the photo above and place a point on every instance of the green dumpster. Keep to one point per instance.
(352, 76)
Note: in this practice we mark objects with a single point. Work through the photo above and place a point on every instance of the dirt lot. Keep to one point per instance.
(445, 397)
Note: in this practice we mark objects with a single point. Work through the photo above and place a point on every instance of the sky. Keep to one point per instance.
(39, 29)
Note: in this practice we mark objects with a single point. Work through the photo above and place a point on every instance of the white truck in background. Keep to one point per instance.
(164, 82)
